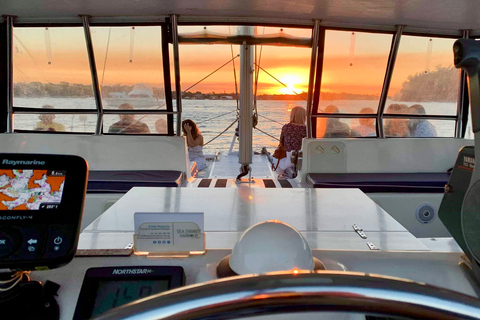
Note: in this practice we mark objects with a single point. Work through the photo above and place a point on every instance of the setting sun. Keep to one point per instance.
(292, 82)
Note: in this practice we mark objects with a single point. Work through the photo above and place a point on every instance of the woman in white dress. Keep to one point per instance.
(194, 142)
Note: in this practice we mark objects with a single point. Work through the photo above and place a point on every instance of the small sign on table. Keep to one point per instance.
(169, 233)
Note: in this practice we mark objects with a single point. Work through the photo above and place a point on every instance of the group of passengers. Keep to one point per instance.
(128, 125)
(291, 135)
(405, 127)
(334, 128)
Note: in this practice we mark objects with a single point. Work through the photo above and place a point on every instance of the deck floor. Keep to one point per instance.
(222, 173)
(228, 167)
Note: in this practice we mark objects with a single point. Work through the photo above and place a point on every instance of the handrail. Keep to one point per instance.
(302, 291)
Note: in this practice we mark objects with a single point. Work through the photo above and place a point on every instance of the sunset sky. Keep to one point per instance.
(353, 63)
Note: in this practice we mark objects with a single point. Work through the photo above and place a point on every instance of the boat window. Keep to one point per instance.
(130, 66)
(346, 127)
(424, 74)
(211, 80)
(418, 128)
(56, 122)
(135, 124)
(51, 71)
(209, 86)
(354, 67)
(424, 79)
(283, 74)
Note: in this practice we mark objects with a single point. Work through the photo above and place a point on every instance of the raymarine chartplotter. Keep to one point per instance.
(41, 204)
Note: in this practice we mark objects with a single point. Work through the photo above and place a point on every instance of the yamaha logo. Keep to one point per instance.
(131, 271)
(23, 162)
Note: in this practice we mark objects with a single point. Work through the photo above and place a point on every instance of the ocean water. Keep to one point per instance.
(214, 116)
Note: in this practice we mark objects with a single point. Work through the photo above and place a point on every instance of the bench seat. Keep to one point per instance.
(381, 182)
(122, 181)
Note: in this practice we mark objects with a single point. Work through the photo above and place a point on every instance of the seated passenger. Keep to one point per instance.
(291, 139)
(194, 143)
(420, 127)
(366, 127)
(127, 123)
(337, 129)
(161, 126)
(397, 127)
(47, 123)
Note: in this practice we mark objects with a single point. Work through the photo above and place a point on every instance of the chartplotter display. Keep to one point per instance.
(29, 189)
(41, 204)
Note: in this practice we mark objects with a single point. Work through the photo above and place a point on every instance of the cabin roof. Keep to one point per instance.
(423, 14)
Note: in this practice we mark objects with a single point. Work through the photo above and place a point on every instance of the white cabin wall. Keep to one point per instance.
(96, 204)
(106, 152)
(380, 155)
(390, 156)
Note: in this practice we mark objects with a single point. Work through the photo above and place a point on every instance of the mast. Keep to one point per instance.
(246, 103)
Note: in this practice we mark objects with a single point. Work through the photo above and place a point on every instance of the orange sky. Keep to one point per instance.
(69, 62)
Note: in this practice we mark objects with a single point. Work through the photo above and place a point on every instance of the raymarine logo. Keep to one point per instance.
(23, 162)
(131, 271)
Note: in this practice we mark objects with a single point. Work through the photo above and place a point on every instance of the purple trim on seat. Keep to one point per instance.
(122, 181)
(382, 182)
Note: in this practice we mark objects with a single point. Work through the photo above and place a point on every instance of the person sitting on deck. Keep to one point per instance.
(337, 129)
(194, 143)
(291, 139)
(420, 127)
(46, 122)
(367, 126)
(397, 127)
(127, 123)
(161, 126)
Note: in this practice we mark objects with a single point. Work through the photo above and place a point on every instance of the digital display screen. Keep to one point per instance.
(114, 293)
(29, 189)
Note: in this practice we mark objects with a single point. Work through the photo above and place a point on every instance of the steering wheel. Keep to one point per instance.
(300, 291)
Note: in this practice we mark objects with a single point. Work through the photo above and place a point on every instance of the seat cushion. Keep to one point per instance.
(382, 182)
(122, 181)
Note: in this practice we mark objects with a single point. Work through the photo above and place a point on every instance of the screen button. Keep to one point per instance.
(33, 243)
(58, 242)
(10, 240)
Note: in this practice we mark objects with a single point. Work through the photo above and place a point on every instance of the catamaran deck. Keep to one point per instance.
(223, 170)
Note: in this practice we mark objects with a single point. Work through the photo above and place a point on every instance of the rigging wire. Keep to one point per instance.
(281, 82)
(106, 54)
(218, 135)
(37, 65)
(211, 73)
(223, 114)
(271, 120)
(256, 81)
(266, 133)
(234, 76)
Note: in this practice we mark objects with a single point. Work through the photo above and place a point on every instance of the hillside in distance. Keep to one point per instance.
(440, 85)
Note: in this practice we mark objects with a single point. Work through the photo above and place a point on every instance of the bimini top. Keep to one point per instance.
(424, 14)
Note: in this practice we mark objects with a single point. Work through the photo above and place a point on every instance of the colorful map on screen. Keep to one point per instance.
(31, 189)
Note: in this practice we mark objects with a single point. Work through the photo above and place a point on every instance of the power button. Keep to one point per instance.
(58, 243)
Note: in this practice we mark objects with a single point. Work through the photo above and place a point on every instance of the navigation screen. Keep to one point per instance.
(31, 189)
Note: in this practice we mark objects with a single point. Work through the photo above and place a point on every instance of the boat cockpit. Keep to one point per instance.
(111, 208)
